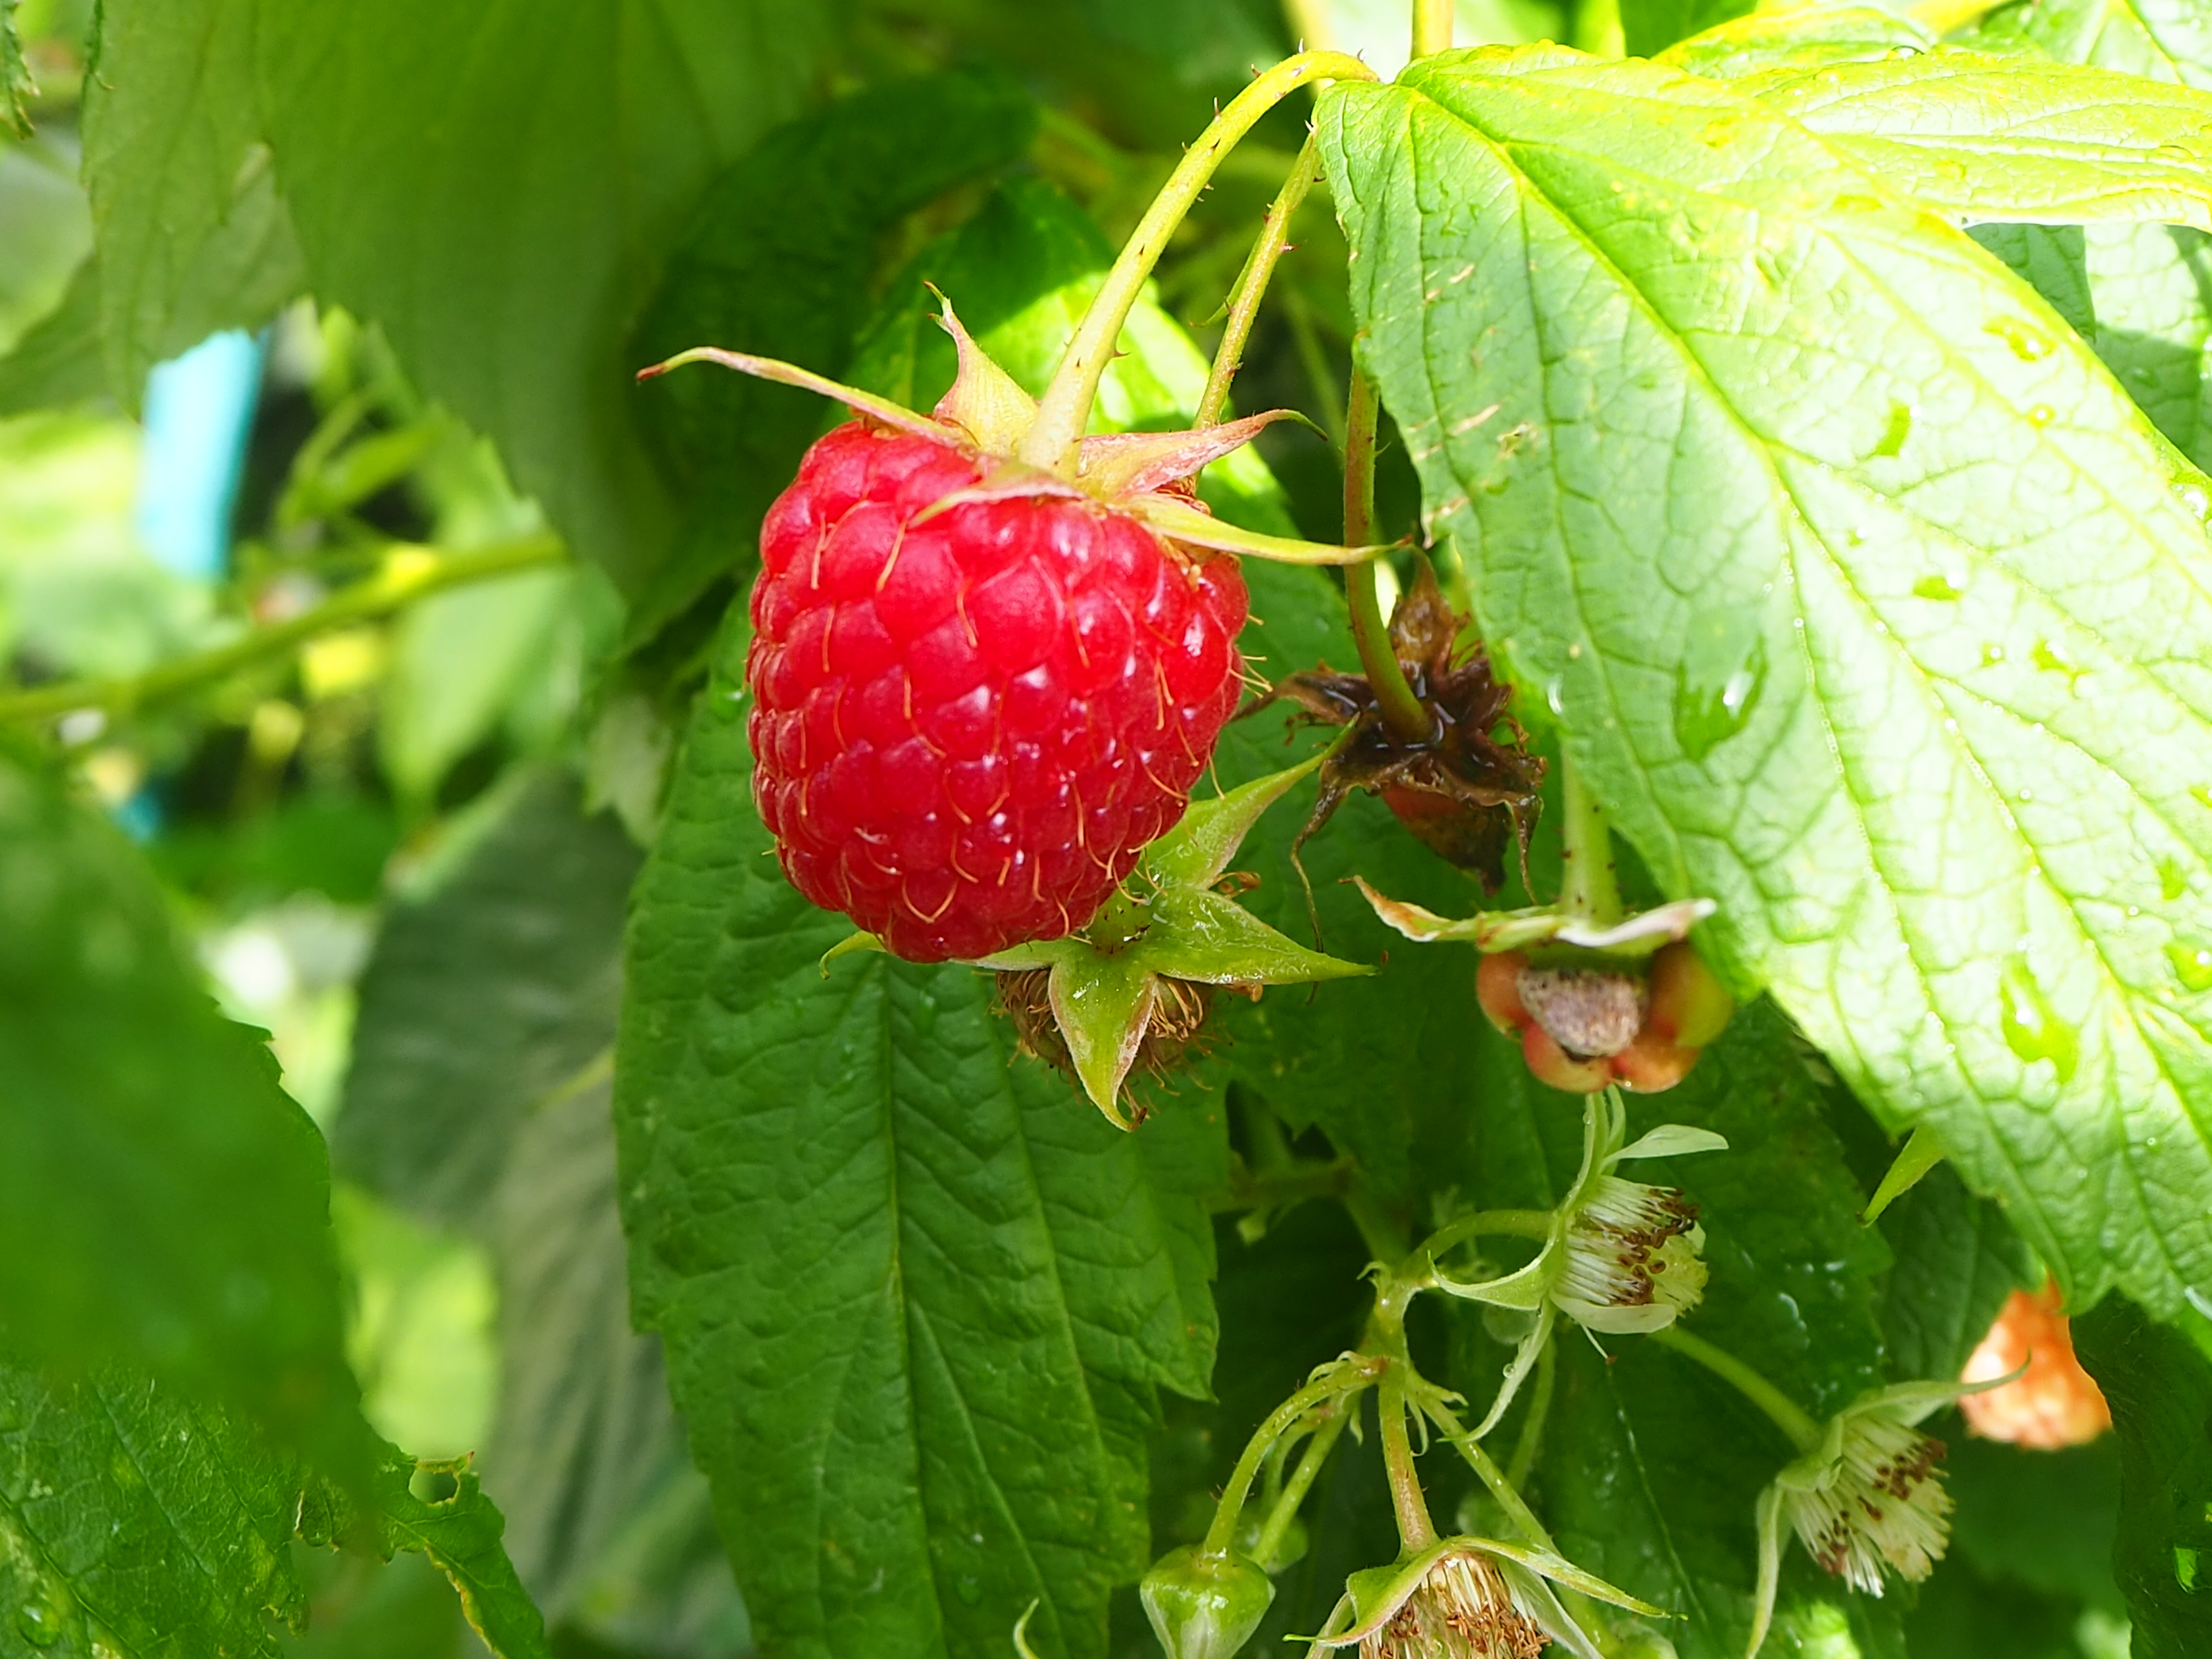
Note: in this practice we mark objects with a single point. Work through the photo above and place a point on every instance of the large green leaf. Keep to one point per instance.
(2159, 1384)
(917, 1296)
(2164, 40)
(133, 1523)
(487, 993)
(1985, 136)
(161, 1201)
(1864, 597)
(57, 363)
(1957, 1260)
(496, 186)
(1647, 27)
(1651, 1470)
(190, 233)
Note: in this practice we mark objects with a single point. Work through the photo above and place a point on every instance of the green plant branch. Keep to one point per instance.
(1404, 716)
(1486, 1468)
(1520, 1224)
(1252, 282)
(403, 581)
(1285, 1509)
(1590, 892)
(1416, 1531)
(1539, 1411)
(1064, 409)
(1784, 1412)
(1432, 26)
(1337, 1383)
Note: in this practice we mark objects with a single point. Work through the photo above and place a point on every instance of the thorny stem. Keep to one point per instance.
(1300, 1483)
(1066, 406)
(1339, 1381)
(1590, 893)
(1532, 1427)
(1252, 284)
(1486, 1467)
(1520, 1224)
(1432, 26)
(1786, 1413)
(1404, 716)
(1415, 1530)
(409, 573)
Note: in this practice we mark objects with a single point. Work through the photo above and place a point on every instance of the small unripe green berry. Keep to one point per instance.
(1204, 1605)
(1689, 1004)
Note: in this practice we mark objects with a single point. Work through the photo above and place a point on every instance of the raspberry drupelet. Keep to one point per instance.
(968, 722)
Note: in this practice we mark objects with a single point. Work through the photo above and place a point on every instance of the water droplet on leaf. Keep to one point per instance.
(1950, 589)
(2032, 1029)
(1992, 655)
(1894, 434)
(1722, 671)
(2029, 344)
(2192, 966)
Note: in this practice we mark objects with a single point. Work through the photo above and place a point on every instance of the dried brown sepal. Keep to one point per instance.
(1173, 1033)
(1470, 789)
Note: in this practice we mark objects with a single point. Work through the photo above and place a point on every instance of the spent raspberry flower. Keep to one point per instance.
(1618, 1257)
(1468, 1598)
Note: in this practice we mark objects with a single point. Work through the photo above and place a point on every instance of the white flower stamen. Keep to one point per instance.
(1464, 1609)
(1632, 1245)
(1883, 1505)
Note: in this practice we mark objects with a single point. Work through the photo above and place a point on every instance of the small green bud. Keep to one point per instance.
(1204, 1605)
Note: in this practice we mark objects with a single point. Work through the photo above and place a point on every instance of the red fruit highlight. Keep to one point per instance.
(966, 729)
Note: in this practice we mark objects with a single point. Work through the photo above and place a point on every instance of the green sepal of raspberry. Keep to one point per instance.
(1168, 928)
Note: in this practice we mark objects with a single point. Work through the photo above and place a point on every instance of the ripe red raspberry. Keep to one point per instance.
(967, 728)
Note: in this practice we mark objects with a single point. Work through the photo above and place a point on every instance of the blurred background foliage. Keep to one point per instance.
(391, 331)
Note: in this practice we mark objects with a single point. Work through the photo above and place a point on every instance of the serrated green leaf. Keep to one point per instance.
(439, 1510)
(190, 233)
(163, 1202)
(497, 195)
(133, 1523)
(1957, 1260)
(485, 996)
(2163, 39)
(1930, 738)
(16, 86)
(917, 1297)
(2052, 259)
(1977, 135)
(57, 363)
(2159, 1384)
(1808, 34)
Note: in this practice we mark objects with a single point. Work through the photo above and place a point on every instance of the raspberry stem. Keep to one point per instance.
(1783, 1412)
(1432, 26)
(1270, 1540)
(1252, 284)
(1590, 892)
(1416, 1531)
(1064, 409)
(1405, 716)
(1338, 1383)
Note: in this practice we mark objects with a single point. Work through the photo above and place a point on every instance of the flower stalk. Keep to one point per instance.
(1252, 282)
(1405, 716)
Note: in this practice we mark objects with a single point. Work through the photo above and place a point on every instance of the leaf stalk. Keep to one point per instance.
(1064, 409)
(1252, 282)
